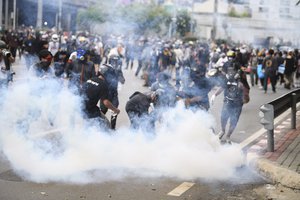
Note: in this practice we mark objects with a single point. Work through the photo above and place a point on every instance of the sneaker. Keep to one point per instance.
(227, 140)
(220, 135)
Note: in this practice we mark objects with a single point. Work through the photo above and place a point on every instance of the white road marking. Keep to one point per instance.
(183, 187)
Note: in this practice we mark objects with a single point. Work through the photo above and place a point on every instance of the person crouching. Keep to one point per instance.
(137, 108)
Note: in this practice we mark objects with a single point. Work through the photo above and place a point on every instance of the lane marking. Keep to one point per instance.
(179, 190)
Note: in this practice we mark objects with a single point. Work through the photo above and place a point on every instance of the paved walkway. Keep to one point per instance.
(282, 165)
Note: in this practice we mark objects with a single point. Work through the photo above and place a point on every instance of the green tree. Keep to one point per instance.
(89, 17)
(145, 18)
(135, 17)
(183, 23)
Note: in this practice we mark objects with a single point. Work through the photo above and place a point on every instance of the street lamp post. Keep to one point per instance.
(59, 15)
(214, 29)
(1, 4)
(15, 14)
(172, 27)
(39, 20)
(6, 14)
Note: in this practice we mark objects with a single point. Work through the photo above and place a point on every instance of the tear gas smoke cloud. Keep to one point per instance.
(79, 151)
(184, 146)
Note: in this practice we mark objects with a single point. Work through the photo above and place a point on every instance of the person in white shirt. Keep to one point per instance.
(54, 44)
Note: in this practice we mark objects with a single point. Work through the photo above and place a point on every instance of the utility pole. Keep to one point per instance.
(59, 15)
(15, 15)
(39, 20)
(1, 4)
(6, 14)
(214, 29)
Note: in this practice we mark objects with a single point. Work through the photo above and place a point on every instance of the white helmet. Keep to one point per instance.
(54, 37)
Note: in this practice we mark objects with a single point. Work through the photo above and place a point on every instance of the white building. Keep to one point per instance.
(277, 19)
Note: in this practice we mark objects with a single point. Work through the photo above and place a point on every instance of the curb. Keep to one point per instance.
(275, 173)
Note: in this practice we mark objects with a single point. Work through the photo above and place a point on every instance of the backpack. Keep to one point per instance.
(234, 89)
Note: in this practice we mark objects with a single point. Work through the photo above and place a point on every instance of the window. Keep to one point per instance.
(262, 9)
(285, 2)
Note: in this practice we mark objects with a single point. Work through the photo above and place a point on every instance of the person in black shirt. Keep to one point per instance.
(167, 92)
(196, 94)
(43, 68)
(270, 67)
(95, 90)
(113, 75)
(80, 70)
(234, 98)
(137, 108)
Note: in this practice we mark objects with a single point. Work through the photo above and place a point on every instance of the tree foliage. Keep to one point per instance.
(148, 18)
(134, 17)
(89, 17)
(183, 23)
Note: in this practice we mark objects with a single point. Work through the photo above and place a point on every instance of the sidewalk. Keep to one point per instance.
(283, 165)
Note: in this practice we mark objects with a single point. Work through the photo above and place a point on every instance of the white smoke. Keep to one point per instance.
(45, 138)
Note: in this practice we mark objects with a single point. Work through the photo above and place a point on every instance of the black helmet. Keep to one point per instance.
(105, 68)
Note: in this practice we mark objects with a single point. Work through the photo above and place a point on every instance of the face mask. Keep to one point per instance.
(45, 65)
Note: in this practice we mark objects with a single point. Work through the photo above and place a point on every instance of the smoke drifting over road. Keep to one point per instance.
(45, 138)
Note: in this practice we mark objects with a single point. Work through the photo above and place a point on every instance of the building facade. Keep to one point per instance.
(59, 14)
(274, 19)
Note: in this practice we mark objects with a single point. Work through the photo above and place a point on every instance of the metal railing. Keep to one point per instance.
(275, 108)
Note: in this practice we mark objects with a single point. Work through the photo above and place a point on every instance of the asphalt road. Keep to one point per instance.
(241, 186)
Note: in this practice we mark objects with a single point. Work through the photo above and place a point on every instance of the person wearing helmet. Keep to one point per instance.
(236, 94)
(81, 69)
(82, 42)
(54, 44)
(230, 54)
(233, 66)
(113, 75)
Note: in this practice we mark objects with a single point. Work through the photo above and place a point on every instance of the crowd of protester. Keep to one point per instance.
(173, 69)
